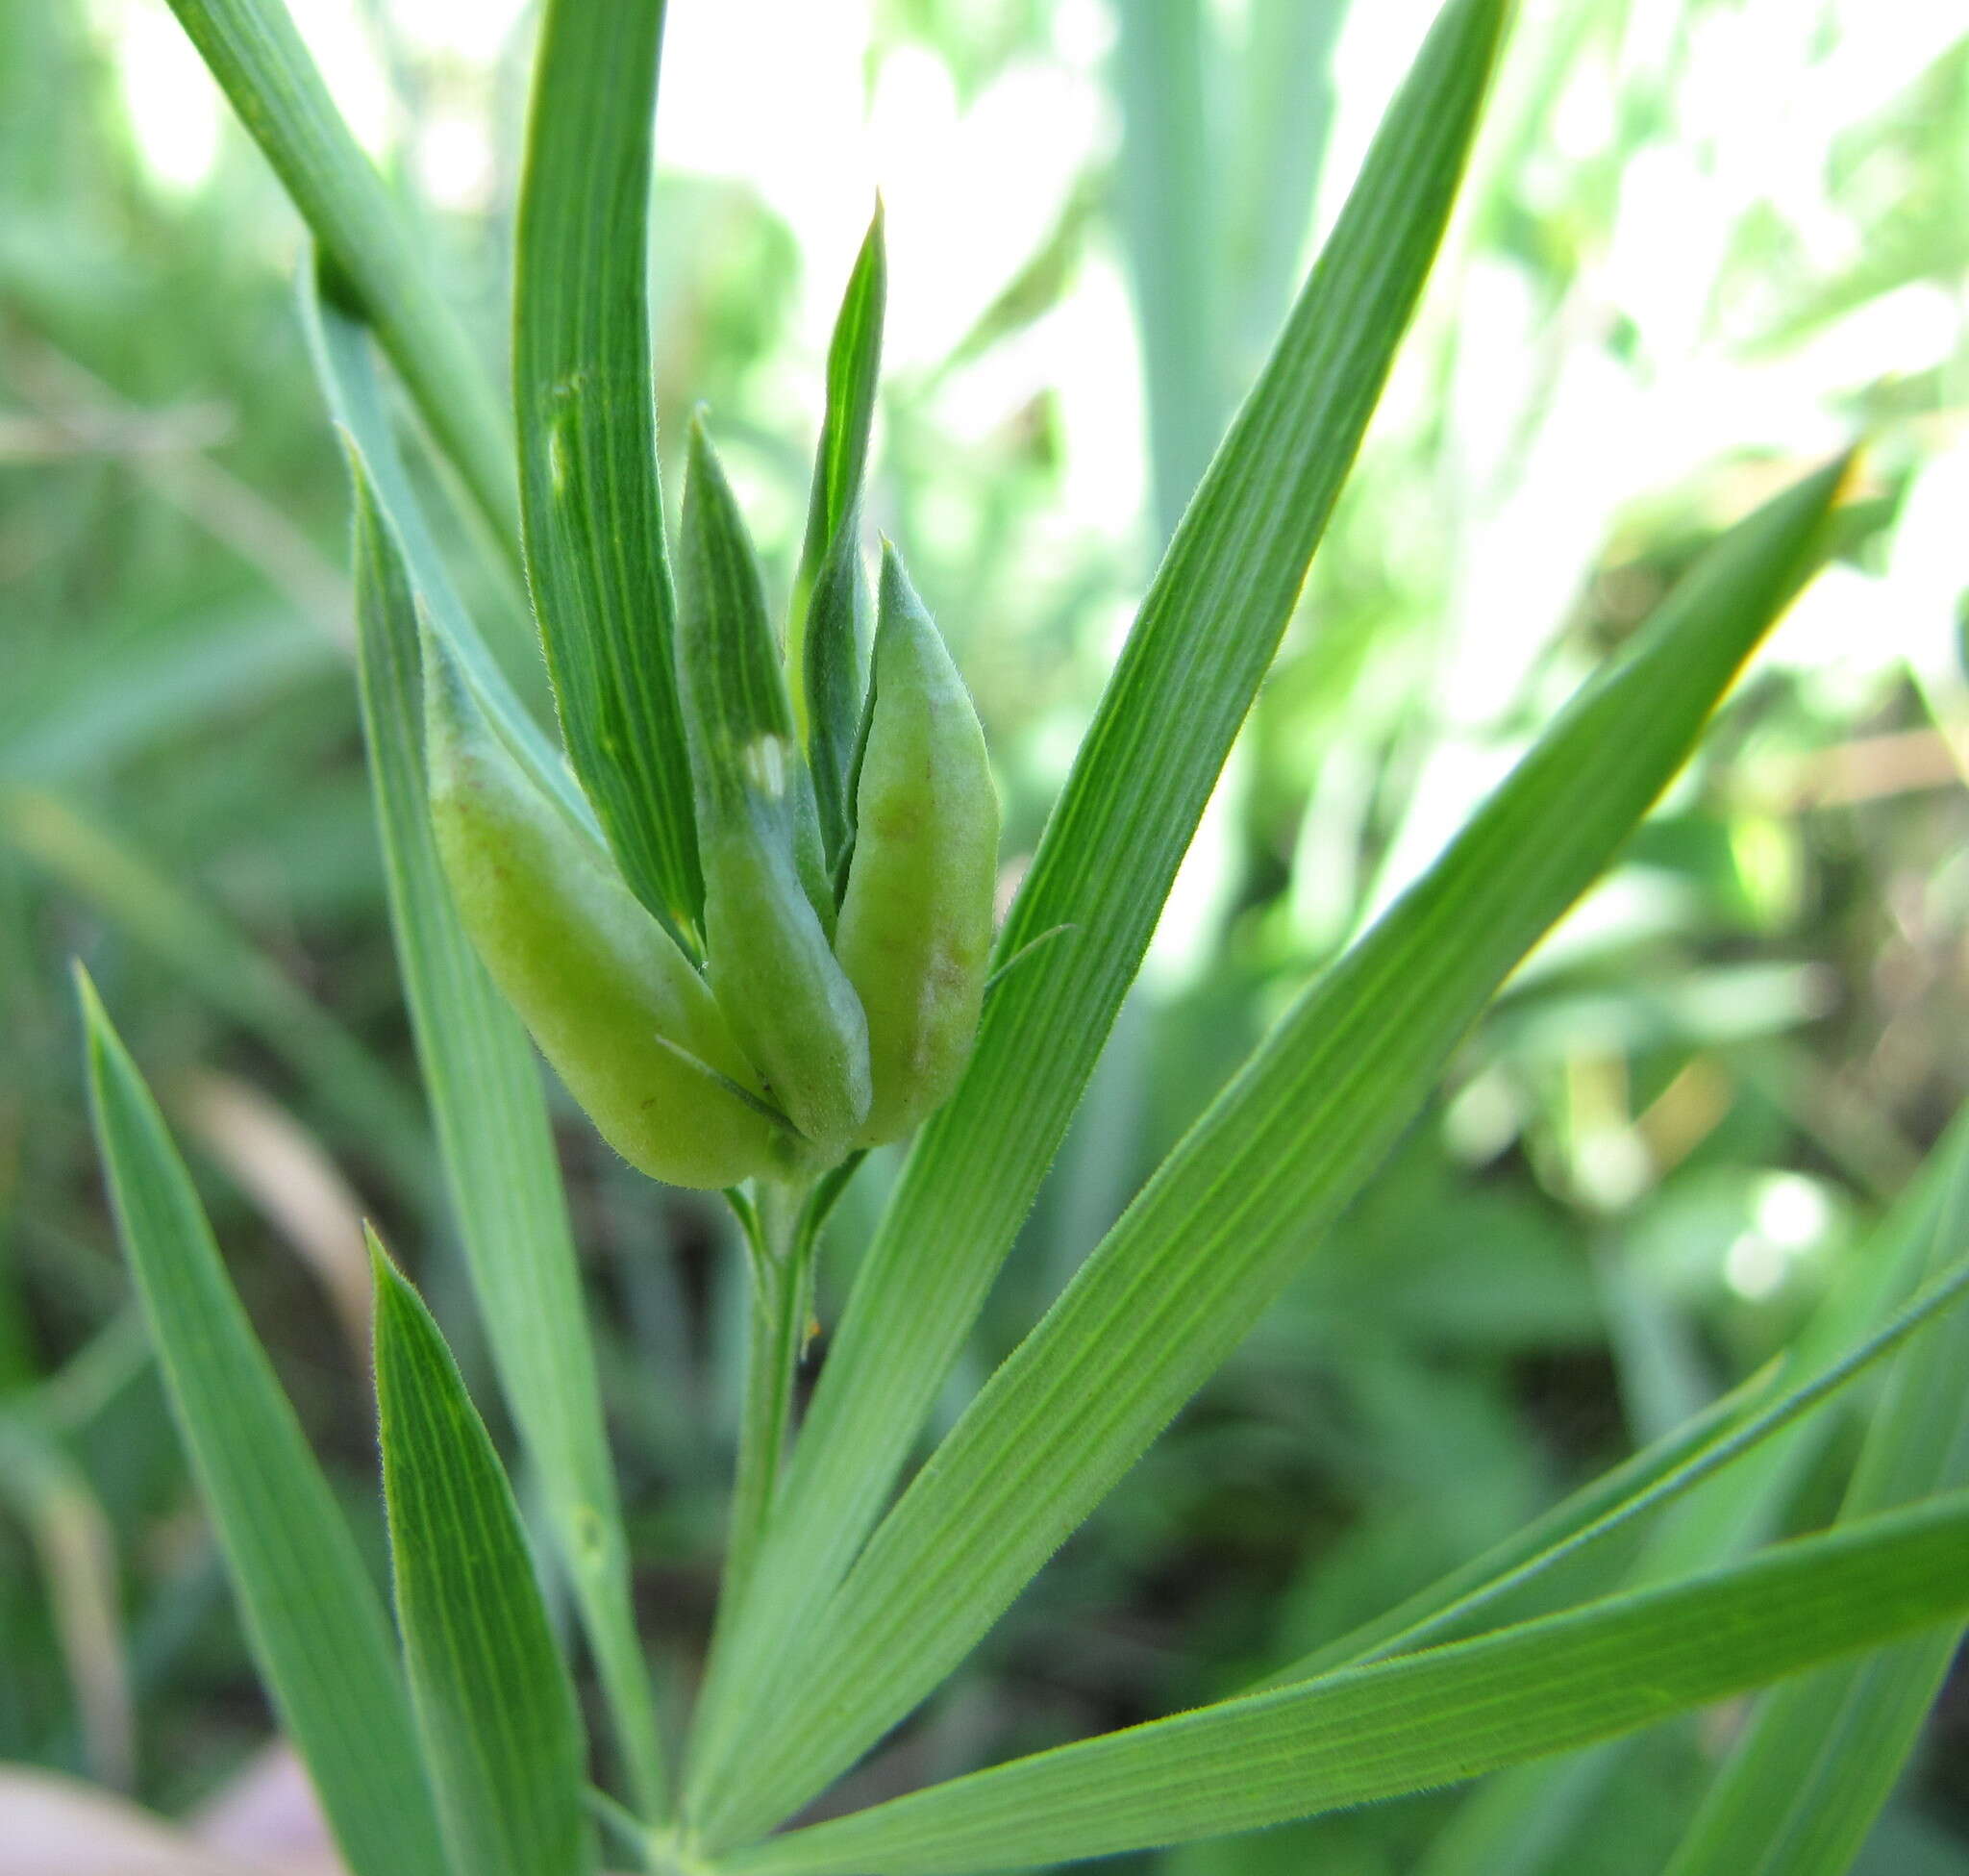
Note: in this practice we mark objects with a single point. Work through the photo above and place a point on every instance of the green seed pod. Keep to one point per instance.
(915, 926)
(768, 911)
(603, 988)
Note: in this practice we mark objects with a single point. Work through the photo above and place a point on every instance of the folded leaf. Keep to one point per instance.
(824, 632)
(495, 1703)
(584, 390)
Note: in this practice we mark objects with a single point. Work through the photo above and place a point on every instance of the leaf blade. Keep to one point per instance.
(1418, 1721)
(495, 1706)
(824, 632)
(585, 388)
(310, 1611)
(1550, 1555)
(1109, 853)
(1220, 1227)
(1808, 1777)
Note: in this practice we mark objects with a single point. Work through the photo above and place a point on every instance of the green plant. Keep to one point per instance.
(841, 1611)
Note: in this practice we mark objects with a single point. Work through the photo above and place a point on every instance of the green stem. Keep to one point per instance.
(780, 1246)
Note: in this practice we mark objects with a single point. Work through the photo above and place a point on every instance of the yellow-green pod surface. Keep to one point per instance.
(593, 976)
(915, 934)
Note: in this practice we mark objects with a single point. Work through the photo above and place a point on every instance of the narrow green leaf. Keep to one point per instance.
(1809, 1777)
(1206, 634)
(824, 630)
(835, 698)
(493, 1698)
(1572, 1551)
(853, 367)
(1419, 1721)
(314, 1620)
(497, 1149)
(584, 390)
(345, 368)
(379, 264)
(1220, 1227)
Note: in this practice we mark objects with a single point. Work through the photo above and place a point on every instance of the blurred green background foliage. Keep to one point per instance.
(1706, 242)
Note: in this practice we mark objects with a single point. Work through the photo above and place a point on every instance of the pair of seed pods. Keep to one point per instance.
(824, 1020)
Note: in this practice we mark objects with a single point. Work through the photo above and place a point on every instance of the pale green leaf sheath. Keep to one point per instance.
(495, 1703)
(484, 1092)
(343, 353)
(611, 1001)
(1420, 1720)
(257, 55)
(1193, 661)
(915, 925)
(586, 397)
(313, 1617)
(1232, 1213)
(768, 906)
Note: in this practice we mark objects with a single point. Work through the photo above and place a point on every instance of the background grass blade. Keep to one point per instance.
(1203, 640)
(1222, 1225)
(498, 1154)
(345, 368)
(313, 1617)
(75, 1546)
(1420, 1720)
(1171, 200)
(373, 1109)
(494, 1700)
(253, 50)
(585, 392)
(1808, 1780)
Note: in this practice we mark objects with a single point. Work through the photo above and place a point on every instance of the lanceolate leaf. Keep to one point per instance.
(1220, 1227)
(1206, 634)
(498, 1152)
(314, 1619)
(853, 366)
(1809, 1778)
(1419, 1721)
(264, 69)
(495, 1703)
(823, 637)
(586, 395)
